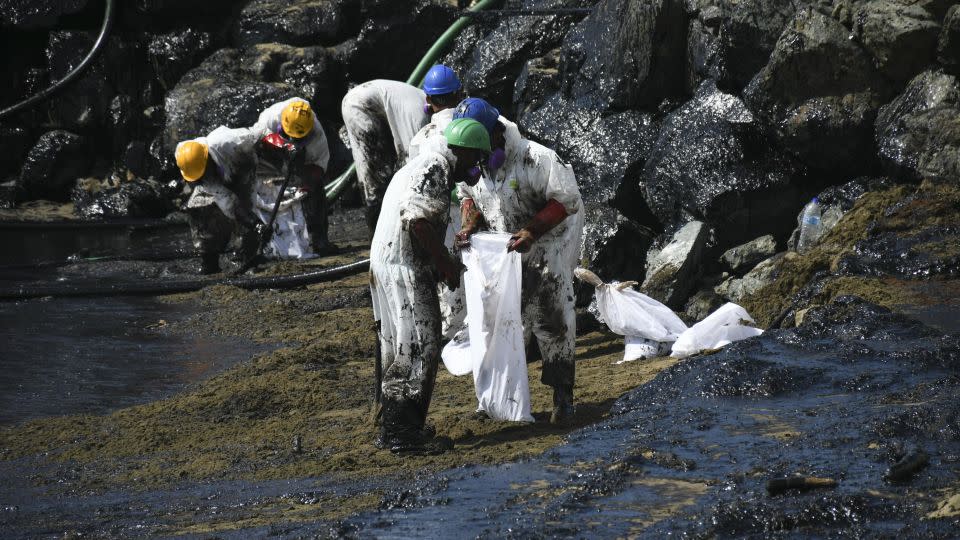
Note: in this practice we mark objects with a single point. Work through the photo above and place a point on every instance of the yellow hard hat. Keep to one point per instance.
(192, 160)
(297, 119)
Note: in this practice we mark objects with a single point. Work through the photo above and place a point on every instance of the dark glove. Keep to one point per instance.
(449, 270)
(547, 218)
(521, 241)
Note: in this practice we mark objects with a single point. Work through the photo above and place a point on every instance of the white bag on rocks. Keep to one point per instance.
(648, 326)
(495, 345)
(290, 239)
(720, 328)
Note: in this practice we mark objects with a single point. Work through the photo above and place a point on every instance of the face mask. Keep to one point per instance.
(474, 173)
(426, 109)
(497, 158)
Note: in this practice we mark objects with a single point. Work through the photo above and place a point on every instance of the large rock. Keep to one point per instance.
(393, 38)
(32, 14)
(672, 270)
(296, 22)
(15, 141)
(53, 165)
(742, 258)
(626, 54)
(820, 91)
(948, 45)
(232, 87)
(763, 274)
(538, 80)
(86, 104)
(748, 34)
(491, 65)
(135, 198)
(902, 38)
(711, 162)
(174, 53)
(918, 134)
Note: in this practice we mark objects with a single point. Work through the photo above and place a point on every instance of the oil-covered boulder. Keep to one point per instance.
(918, 133)
(625, 54)
(711, 162)
(174, 53)
(748, 34)
(296, 22)
(32, 14)
(820, 92)
(15, 141)
(232, 87)
(491, 65)
(901, 37)
(53, 165)
(948, 44)
(735, 289)
(538, 80)
(134, 198)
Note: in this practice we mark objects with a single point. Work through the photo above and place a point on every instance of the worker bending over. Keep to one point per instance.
(381, 117)
(291, 136)
(219, 168)
(533, 195)
(407, 258)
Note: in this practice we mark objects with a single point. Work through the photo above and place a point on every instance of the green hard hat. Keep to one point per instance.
(467, 133)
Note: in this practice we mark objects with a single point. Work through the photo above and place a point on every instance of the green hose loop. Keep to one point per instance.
(335, 189)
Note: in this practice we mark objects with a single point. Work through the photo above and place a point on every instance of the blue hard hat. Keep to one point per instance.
(440, 80)
(479, 110)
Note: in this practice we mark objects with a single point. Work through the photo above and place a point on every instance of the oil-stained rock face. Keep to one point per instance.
(300, 22)
(52, 166)
(711, 162)
(134, 199)
(901, 37)
(673, 269)
(31, 14)
(918, 133)
(948, 44)
(819, 93)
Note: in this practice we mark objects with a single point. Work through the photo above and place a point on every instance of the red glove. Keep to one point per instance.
(547, 218)
(472, 222)
(276, 141)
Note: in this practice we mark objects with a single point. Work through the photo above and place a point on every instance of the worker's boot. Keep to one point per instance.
(563, 409)
(209, 263)
(402, 430)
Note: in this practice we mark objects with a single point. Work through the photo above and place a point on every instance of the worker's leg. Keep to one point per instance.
(371, 143)
(316, 213)
(548, 314)
(411, 354)
(211, 232)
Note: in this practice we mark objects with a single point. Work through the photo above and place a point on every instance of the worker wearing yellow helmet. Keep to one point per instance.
(219, 169)
(292, 126)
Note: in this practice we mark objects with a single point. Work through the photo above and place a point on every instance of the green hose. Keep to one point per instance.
(335, 188)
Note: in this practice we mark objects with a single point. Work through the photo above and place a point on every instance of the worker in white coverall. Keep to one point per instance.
(219, 168)
(290, 135)
(381, 117)
(533, 195)
(407, 259)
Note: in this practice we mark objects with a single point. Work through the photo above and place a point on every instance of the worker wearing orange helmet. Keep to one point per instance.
(219, 168)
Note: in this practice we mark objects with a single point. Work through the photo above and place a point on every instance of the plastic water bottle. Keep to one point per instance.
(810, 226)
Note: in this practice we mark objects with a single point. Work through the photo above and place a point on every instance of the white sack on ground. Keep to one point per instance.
(492, 287)
(648, 326)
(721, 328)
(290, 238)
(456, 354)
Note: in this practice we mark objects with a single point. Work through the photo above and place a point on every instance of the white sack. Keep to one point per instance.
(456, 355)
(721, 328)
(290, 239)
(630, 313)
(492, 287)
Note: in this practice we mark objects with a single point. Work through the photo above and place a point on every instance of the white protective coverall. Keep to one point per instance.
(402, 282)
(230, 154)
(381, 118)
(452, 303)
(531, 176)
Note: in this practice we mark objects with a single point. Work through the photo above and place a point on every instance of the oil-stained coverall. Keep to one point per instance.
(452, 303)
(531, 176)
(313, 156)
(220, 203)
(403, 286)
(381, 117)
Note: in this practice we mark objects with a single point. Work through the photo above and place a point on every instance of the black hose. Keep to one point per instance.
(108, 12)
(66, 290)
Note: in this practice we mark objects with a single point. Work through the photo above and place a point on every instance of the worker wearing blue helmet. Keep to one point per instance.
(381, 117)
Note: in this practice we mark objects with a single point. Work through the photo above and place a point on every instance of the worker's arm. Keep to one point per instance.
(551, 215)
(472, 221)
(427, 239)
